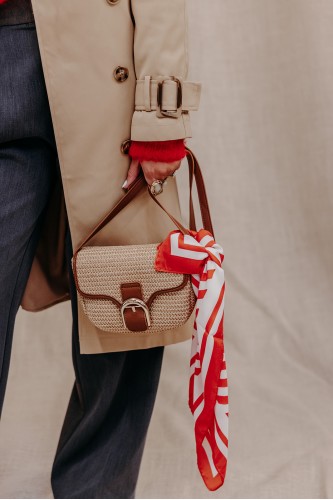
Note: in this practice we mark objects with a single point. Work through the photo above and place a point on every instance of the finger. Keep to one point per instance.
(149, 178)
(158, 170)
(132, 173)
(170, 168)
(149, 171)
(174, 169)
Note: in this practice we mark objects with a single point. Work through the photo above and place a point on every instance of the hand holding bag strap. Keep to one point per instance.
(194, 171)
(139, 183)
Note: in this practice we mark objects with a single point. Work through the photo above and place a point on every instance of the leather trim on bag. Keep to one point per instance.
(134, 318)
(116, 302)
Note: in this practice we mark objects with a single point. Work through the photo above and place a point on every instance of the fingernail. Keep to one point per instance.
(125, 184)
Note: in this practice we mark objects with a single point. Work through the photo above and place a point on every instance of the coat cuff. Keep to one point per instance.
(164, 151)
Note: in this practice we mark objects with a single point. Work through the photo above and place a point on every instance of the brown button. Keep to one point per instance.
(125, 146)
(120, 74)
(112, 2)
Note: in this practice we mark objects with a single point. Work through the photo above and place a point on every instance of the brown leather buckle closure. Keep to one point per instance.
(134, 310)
(134, 321)
(171, 114)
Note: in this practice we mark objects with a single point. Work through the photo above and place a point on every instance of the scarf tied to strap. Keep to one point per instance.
(200, 256)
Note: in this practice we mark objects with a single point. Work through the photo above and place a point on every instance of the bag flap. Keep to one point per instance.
(101, 270)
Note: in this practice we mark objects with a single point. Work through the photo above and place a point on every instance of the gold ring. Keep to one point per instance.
(156, 187)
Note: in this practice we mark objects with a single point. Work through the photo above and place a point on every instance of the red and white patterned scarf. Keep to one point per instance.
(199, 255)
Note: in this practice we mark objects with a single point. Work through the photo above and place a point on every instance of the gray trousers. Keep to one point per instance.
(104, 431)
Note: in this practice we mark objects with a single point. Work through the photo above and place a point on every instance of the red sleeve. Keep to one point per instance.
(164, 151)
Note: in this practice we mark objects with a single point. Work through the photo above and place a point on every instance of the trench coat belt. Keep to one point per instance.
(146, 95)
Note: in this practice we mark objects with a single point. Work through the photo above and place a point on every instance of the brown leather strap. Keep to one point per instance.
(134, 317)
(133, 190)
(130, 291)
(194, 171)
(174, 220)
(191, 208)
(140, 182)
(203, 200)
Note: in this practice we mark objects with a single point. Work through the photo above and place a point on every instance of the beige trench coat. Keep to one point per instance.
(81, 43)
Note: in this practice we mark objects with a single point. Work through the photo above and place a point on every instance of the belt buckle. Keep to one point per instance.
(171, 114)
(133, 303)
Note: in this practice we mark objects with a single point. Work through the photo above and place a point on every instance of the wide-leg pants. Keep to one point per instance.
(104, 431)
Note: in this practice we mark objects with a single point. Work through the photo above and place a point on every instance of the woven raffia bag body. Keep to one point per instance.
(118, 287)
(103, 269)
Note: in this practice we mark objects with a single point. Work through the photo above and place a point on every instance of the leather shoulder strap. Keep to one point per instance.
(139, 183)
(202, 195)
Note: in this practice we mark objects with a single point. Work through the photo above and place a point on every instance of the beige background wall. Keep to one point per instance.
(264, 138)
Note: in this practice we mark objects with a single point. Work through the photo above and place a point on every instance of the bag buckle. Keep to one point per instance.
(171, 114)
(133, 303)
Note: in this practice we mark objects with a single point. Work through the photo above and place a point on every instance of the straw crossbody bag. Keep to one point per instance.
(118, 287)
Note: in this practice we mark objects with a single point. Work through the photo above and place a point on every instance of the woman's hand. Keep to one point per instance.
(152, 170)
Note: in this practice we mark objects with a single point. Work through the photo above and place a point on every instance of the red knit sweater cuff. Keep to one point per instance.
(164, 151)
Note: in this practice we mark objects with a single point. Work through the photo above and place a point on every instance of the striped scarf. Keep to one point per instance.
(200, 256)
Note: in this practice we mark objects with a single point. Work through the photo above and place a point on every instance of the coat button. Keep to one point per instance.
(112, 2)
(120, 74)
(125, 146)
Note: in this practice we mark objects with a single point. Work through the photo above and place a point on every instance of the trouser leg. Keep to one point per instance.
(27, 165)
(105, 427)
(25, 177)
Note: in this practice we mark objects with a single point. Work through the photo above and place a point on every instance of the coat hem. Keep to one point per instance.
(107, 344)
(64, 298)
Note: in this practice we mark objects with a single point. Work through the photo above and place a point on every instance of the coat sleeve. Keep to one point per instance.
(161, 50)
